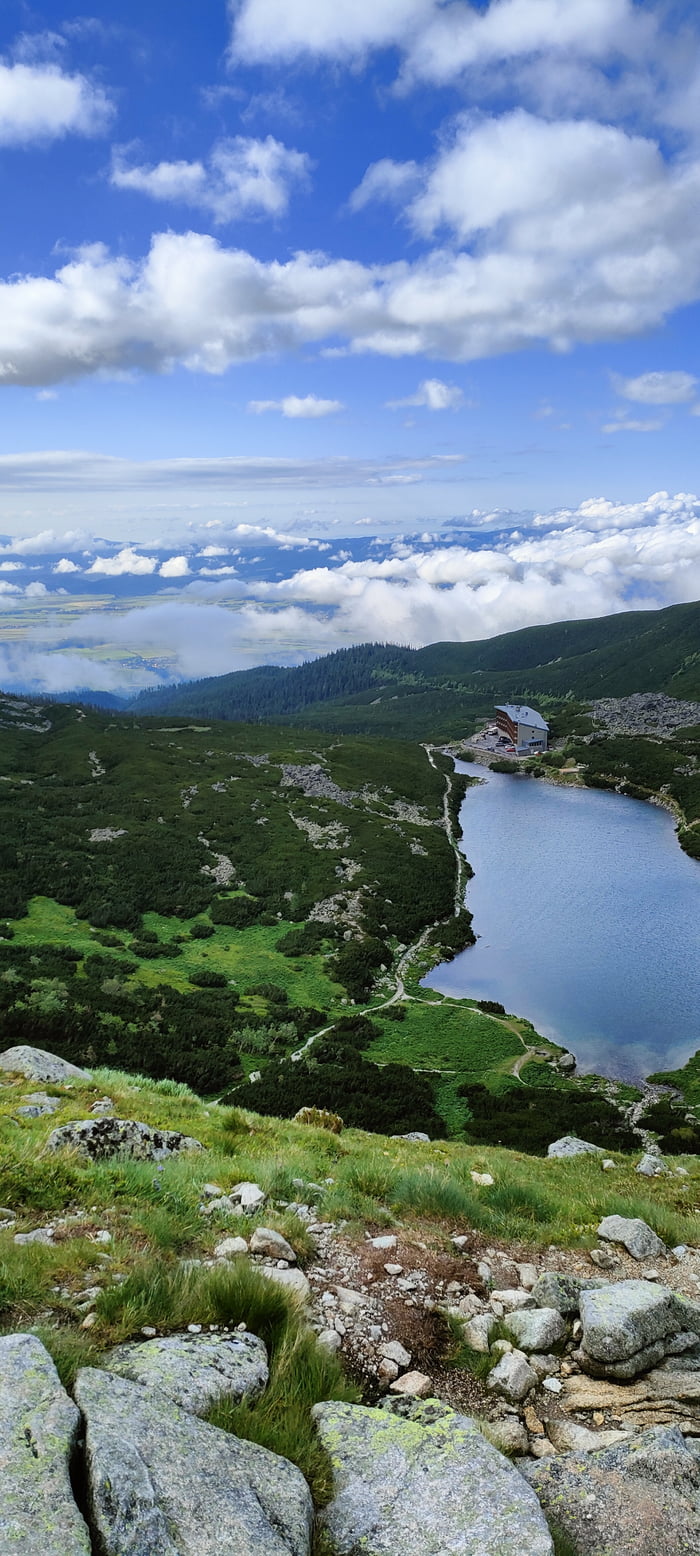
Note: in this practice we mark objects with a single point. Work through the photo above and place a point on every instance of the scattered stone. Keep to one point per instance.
(512, 1377)
(294, 1281)
(604, 1258)
(634, 1235)
(477, 1333)
(330, 1340)
(508, 1436)
(532, 1421)
(35, 1064)
(349, 1300)
(417, 1384)
(43, 1234)
(394, 1351)
(512, 1300)
(460, 1242)
(608, 1165)
(213, 1191)
(553, 1385)
(528, 1276)
(679, 1252)
(569, 1437)
(394, 1269)
(230, 1247)
(387, 1371)
(7, 1216)
(415, 1136)
(38, 1432)
(249, 1196)
(651, 1166)
(569, 1145)
(101, 1138)
(387, 1242)
(538, 1330)
(161, 1482)
(265, 1241)
(37, 1104)
(195, 1370)
(633, 1498)
(427, 1483)
(483, 1180)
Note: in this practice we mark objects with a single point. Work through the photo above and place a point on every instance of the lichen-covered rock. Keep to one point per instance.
(101, 1138)
(423, 1481)
(196, 1370)
(625, 1318)
(162, 1483)
(634, 1235)
(651, 1166)
(569, 1145)
(554, 1289)
(538, 1330)
(38, 1065)
(38, 1431)
(637, 1498)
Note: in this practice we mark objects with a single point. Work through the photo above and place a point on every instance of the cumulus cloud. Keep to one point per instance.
(385, 180)
(438, 41)
(297, 407)
(40, 103)
(434, 395)
(241, 177)
(658, 388)
(602, 247)
(174, 567)
(125, 561)
(66, 566)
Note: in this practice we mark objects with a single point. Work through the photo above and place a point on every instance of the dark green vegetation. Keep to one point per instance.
(438, 692)
(521, 1118)
(641, 768)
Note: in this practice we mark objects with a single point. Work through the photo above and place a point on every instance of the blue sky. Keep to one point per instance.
(296, 274)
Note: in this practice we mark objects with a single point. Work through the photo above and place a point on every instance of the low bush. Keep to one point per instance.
(529, 1118)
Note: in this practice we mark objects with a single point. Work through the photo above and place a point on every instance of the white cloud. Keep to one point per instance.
(584, 234)
(438, 41)
(384, 180)
(66, 566)
(434, 395)
(41, 103)
(175, 567)
(658, 388)
(75, 471)
(629, 424)
(125, 561)
(296, 407)
(46, 541)
(242, 177)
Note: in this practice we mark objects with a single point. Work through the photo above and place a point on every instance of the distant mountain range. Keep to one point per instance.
(379, 688)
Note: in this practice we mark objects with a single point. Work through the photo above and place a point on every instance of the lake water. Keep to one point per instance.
(588, 917)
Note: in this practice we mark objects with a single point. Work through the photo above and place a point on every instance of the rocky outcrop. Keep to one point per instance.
(101, 1138)
(563, 1292)
(195, 1370)
(38, 1432)
(630, 1326)
(162, 1483)
(424, 1480)
(37, 1065)
(631, 1499)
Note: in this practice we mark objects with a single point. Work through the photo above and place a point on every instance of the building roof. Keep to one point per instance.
(521, 714)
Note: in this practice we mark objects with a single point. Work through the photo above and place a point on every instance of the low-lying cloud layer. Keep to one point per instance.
(209, 616)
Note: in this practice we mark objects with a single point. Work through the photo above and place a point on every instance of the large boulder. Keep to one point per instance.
(634, 1235)
(632, 1499)
(38, 1431)
(424, 1480)
(196, 1370)
(101, 1138)
(162, 1483)
(37, 1065)
(632, 1321)
(569, 1145)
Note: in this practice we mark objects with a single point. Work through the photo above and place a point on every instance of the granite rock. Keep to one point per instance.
(101, 1138)
(38, 1065)
(162, 1483)
(569, 1145)
(625, 1318)
(424, 1481)
(513, 1377)
(195, 1370)
(538, 1330)
(634, 1235)
(563, 1292)
(38, 1432)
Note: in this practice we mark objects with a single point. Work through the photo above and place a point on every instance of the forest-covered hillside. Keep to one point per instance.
(439, 691)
